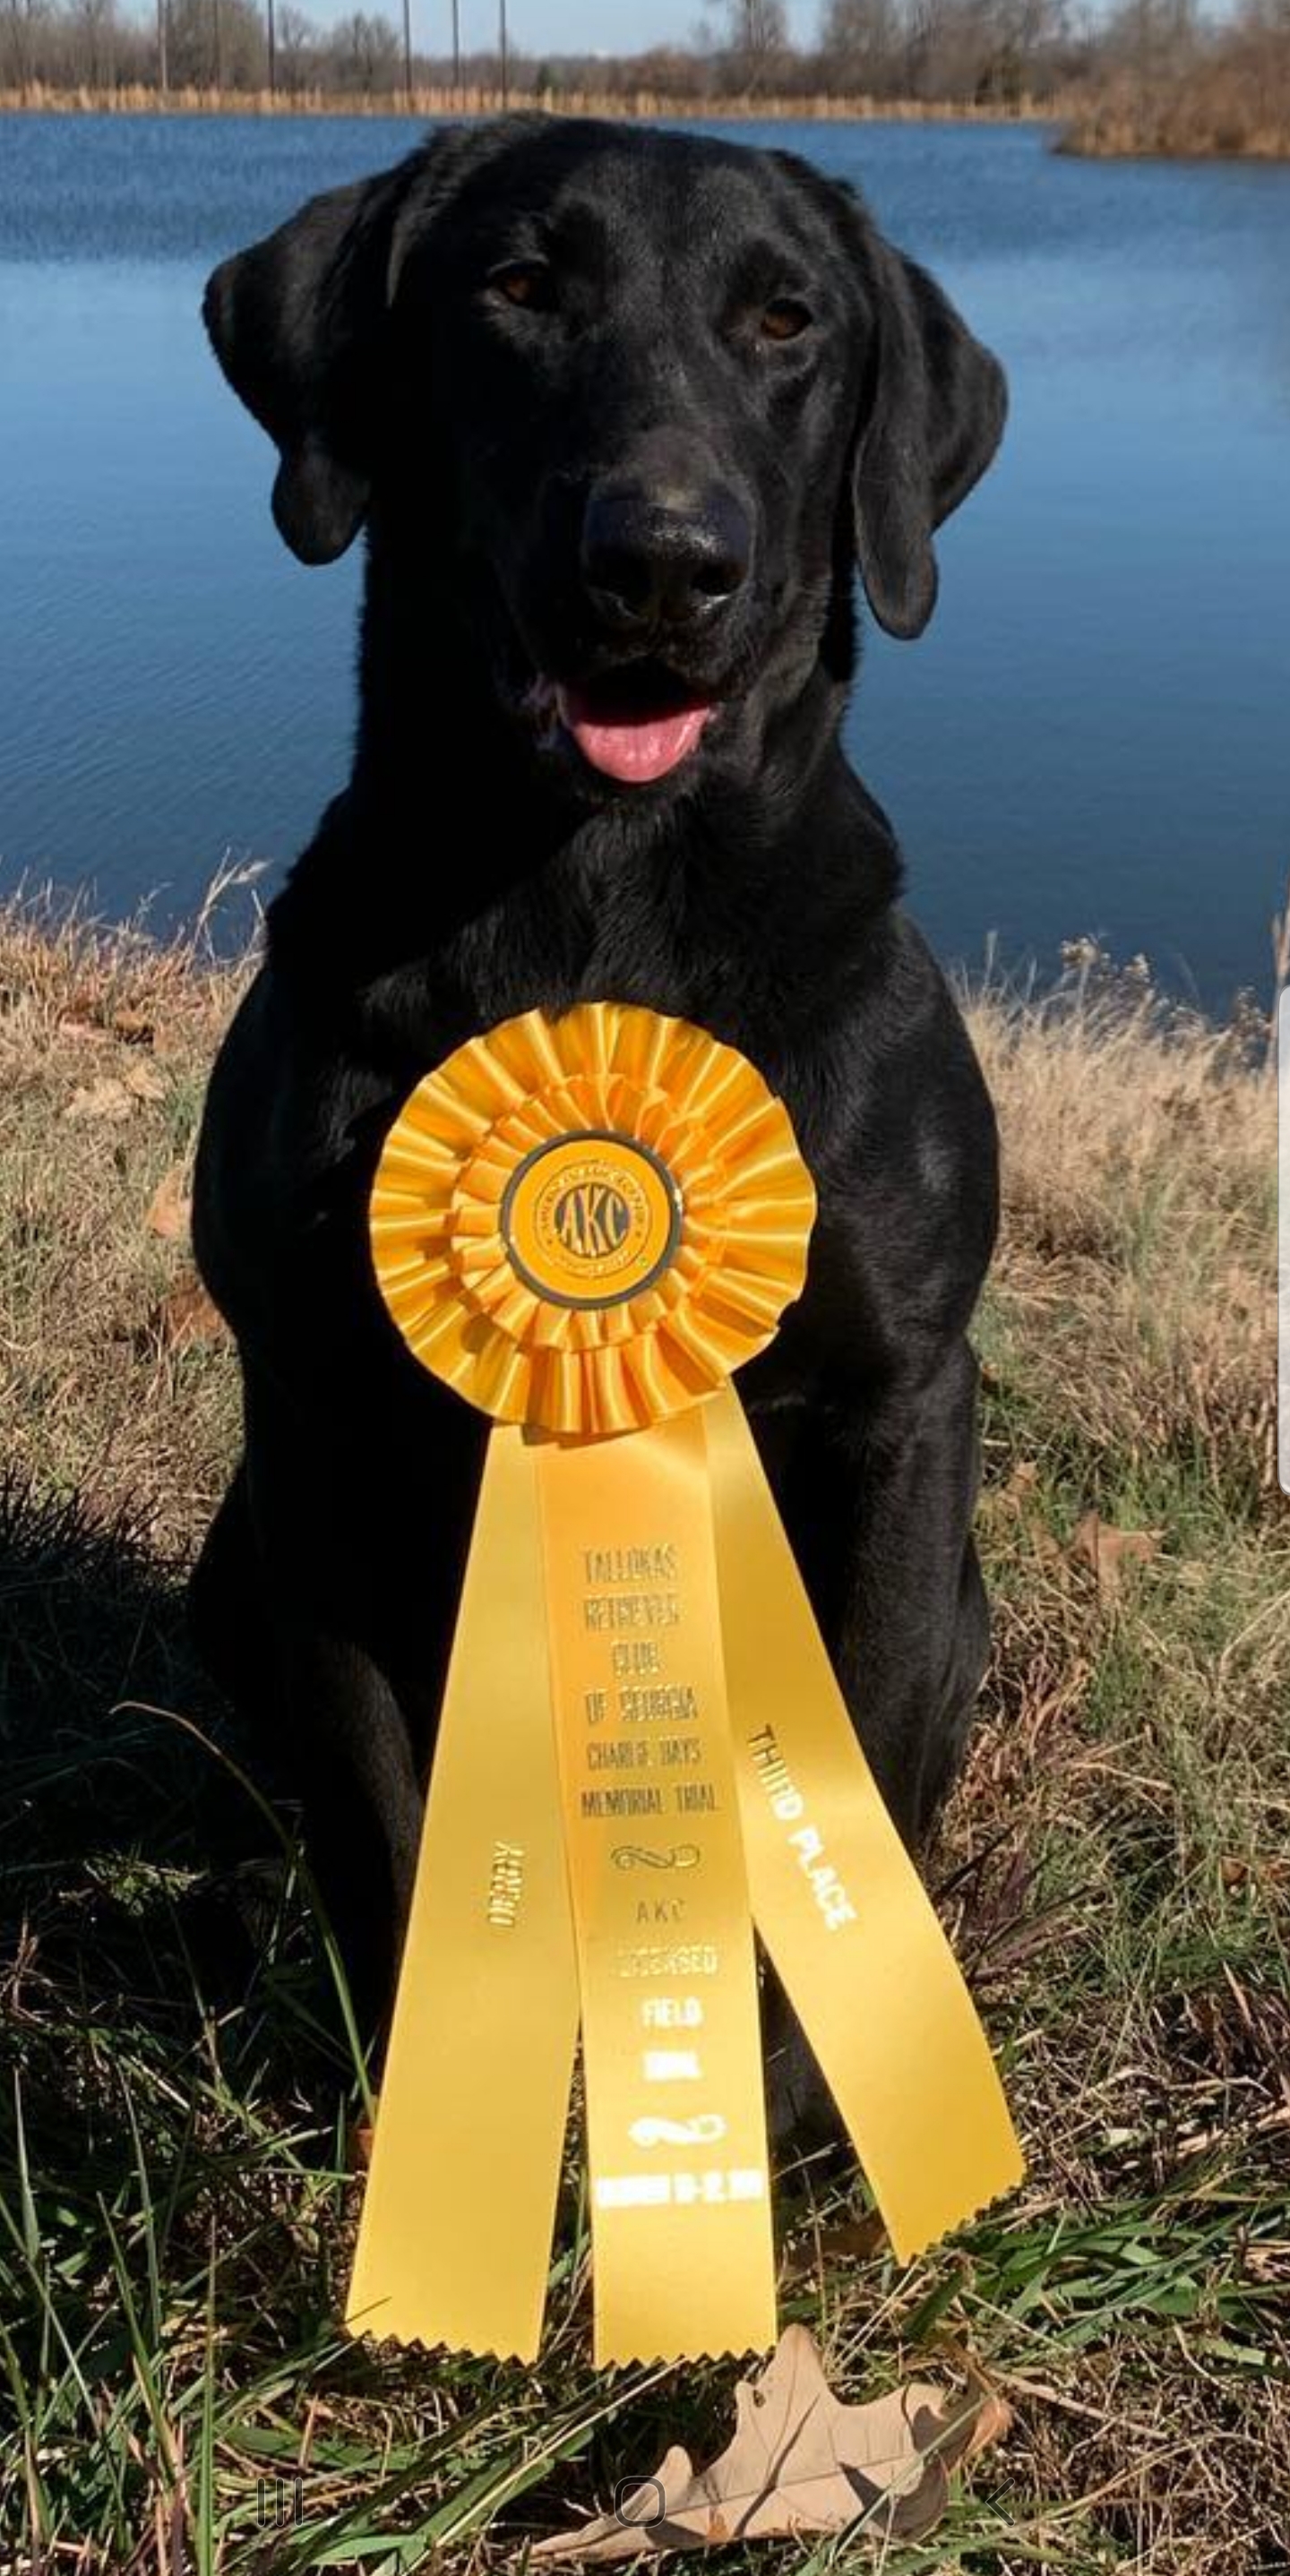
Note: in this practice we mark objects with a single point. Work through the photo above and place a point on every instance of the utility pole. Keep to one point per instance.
(407, 49)
(456, 51)
(504, 45)
(163, 64)
(271, 32)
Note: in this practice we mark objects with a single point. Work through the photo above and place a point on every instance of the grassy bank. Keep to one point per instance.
(735, 108)
(1200, 122)
(1227, 96)
(1203, 114)
(174, 2144)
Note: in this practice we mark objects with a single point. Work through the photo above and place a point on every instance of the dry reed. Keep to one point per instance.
(140, 99)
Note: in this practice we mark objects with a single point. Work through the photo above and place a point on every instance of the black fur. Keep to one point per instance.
(477, 866)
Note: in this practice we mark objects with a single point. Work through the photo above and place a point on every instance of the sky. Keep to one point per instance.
(581, 26)
(557, 26)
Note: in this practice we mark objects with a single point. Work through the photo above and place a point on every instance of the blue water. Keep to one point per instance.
(1093, 737)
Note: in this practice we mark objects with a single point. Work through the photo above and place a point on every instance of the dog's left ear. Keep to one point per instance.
(933, 415)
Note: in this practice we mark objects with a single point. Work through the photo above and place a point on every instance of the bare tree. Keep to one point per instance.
(1152, 36)
(750, 40)
(215, 44)
(861, 47)
(1232, 75)
(24, 52)
(296, 46)
(364, 54)
(92, 32)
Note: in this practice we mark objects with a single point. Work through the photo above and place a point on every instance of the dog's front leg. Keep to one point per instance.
(335, 1736)
(361, 1803)
(303, 1547)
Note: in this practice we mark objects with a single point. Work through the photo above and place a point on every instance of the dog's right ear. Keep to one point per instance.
(297, 323)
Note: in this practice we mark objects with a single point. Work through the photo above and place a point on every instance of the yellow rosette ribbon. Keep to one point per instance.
(585, 1225)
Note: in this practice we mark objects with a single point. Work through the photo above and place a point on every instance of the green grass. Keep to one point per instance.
(179, 2093)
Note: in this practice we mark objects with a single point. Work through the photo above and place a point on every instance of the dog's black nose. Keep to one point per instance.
(654, 560)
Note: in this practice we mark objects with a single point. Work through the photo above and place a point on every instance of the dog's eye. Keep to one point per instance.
(528, 283)
(784, 319)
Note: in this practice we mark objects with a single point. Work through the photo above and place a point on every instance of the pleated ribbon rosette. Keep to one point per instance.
(585, 1225)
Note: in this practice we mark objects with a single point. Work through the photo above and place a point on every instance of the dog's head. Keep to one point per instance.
(633, 402)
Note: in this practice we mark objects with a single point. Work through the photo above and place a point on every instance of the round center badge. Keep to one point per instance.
(587, 1223)
(591, 1219)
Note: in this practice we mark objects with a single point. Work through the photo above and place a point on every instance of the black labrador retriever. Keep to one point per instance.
(620, 410)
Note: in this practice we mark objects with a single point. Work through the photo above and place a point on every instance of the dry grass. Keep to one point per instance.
(1230, 100)
(1136, 1278)
(105, 1041)
(140, 99)
(1115, 1870)
(1234, 103)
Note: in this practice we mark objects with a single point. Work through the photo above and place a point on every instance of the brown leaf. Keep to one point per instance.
(800, 2461)
(853, 2239)
(991, 2423)
(186, 1316)
(143, 1080)
(136, 1026)
(106, 1099)
(171, 1206)
(994, 2415)
(116, 1096)
(1108, 1551)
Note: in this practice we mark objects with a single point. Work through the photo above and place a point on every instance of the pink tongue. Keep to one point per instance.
(634, 750)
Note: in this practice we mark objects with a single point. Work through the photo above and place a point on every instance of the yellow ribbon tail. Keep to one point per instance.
(837, 1900)
(454, 2243)
(584, 1224)
(680, 2188)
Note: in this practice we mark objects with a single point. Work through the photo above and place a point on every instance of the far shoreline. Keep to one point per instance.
(1080, 130)
(436, 101)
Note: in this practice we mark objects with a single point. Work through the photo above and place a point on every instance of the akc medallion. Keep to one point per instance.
(591, 1219)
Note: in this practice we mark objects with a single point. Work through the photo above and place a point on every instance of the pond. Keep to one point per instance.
(1092, 738)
